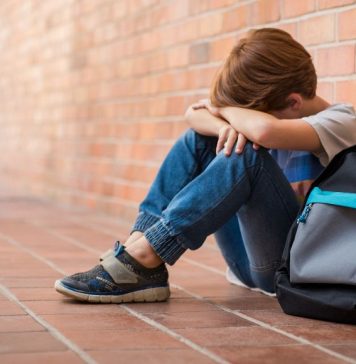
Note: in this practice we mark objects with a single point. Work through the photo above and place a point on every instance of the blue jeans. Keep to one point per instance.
(244, 199)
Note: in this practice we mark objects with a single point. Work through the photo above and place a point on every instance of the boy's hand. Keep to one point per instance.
(227, 134)
(227, 138)
(206, 104)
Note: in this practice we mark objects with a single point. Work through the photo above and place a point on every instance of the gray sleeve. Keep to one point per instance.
(336, 128)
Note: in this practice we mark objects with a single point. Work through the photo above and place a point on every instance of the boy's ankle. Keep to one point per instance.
(143, 253)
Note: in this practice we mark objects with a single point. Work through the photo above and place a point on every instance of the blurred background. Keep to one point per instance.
(93, 92)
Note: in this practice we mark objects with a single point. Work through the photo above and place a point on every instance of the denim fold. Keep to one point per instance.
(166, 246)
(143, 222)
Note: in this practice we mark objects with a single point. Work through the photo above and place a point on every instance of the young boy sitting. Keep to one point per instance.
(239, 172)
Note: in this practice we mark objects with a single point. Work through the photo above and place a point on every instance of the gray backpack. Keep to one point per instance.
(317, 276)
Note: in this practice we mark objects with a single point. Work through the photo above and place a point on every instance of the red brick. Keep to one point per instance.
(325, 4)
(325, 90)
(199, 53)
(220, 48)
(290, 28)
(235, 19)
(265, 11)
(210, 25)
(345, 91)
(347, 24)
(333, 61)
(291, 8)
(317, 30)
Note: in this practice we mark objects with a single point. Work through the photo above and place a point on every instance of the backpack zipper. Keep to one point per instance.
(304, 215)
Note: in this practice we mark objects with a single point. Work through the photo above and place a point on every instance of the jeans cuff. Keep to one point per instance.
(165, 246)
(143, 222)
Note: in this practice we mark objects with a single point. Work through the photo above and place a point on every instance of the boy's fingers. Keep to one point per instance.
(255, 146)
(230, 142)
(198, 106)
(241, 142)
(221, 140)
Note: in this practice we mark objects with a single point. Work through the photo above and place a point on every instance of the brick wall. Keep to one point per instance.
(93, 91)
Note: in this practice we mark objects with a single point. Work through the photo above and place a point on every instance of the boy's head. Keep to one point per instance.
(262, 70)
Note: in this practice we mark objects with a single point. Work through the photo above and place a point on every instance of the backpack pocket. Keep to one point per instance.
(324, 246)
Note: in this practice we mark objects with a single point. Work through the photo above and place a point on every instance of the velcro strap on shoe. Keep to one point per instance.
(118, 271)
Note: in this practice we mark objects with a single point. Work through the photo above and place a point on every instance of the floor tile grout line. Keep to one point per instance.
(299, 339)
(175, 335)
(262, 324)
(73, 346)
(51, 329)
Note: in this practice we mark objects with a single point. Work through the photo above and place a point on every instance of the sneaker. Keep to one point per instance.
(119, 278)
(231, 277)
(109, 252)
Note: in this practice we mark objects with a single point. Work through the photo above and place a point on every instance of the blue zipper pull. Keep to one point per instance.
(304, 215)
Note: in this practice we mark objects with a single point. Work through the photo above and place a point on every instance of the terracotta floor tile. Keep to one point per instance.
(30, 282)
(326, 334)
(37, 294)
(8, 308)
(108, 330)
(231, 336)
(345, 349)
(39, 358)
(209, 290)
(2, 297)
(19, 323)
(124, 339)
(147, 356)
(89, 235)
(68, 306)
(259, 302)
(26, 273)
(103, 321)
(212, 319)
(173, 305)
(278, 318)
(30, 342)
(291, 354)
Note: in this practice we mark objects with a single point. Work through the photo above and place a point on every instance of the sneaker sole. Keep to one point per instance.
(157, 294)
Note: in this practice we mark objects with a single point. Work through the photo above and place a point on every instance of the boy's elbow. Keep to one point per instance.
(263, 135)
(188, 116)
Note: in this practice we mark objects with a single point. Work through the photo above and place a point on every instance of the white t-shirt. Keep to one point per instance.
(336, 128)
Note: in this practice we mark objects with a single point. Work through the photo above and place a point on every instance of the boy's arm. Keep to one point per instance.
(203, 122)
(270, 132)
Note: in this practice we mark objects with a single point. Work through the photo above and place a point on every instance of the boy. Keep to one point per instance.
(233, 174)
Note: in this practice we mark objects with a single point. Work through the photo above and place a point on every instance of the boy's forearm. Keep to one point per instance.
(255, 125)
(271, 132)
(203, 122)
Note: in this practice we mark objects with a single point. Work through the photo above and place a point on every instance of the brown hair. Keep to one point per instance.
(262, 70)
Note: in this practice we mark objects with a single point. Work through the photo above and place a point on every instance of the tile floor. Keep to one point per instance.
(207, 320)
